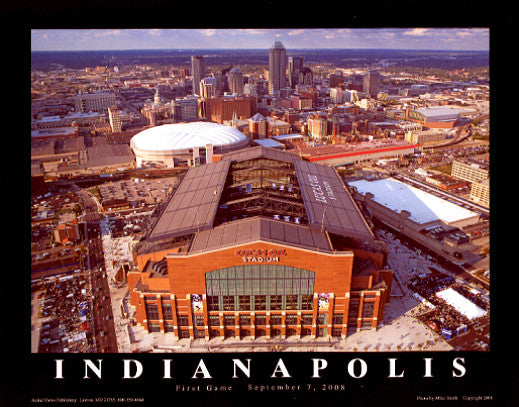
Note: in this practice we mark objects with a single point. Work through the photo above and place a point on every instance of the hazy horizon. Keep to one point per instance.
(413, 39)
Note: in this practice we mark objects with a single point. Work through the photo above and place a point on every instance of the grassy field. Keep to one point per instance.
(446, 169)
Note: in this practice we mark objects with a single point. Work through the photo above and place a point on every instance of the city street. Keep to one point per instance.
(104, 330)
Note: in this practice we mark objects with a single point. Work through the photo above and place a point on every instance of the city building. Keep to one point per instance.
(255, 87)
(480, 192)
(367, 104)
(183, 72)
(56, 153)
(427, 219)
(94, 102)
(72, 119)
(270, 143)
(55, 133)
(251, 89)
(198, 72)
(427, 136)
(318, 126)
(295, 66)
(176, 144)
(156, 110)
(445, 182)
(356, 153)
(115, 119)
(435, 117)
(416, 90)
(258, 127)
(222, 84)
(236, 81)
(106, 157)
(277, 67)
(337, 95)
(297, 102)
(472, 171)
(219, 109)
(185, 109)
(336, 80)
(208, 87)
(371, 84)
(65, 233)
(352, 96)
(260, 244)
(306, 76)
(277, 127)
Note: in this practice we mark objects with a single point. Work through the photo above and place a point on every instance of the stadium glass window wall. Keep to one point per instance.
(259, 287)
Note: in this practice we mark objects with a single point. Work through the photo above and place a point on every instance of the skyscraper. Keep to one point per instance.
(236, 81)
(372, 83)
(306, 77)
(277, 67)
(198, 72)
(221, 84)
(208, 87)
(115, 119)
(295, 66)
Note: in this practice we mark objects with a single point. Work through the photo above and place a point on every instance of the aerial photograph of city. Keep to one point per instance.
(260, 190)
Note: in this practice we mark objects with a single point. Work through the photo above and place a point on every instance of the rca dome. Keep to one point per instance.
(181, 144)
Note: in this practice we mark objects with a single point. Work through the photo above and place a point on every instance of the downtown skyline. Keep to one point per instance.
(448, 39)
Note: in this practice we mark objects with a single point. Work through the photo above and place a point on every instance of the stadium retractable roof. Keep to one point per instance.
(329, 206)
(257, 228)
(194, 204)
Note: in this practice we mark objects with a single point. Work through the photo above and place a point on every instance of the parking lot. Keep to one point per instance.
(62, 323)
(137, 192)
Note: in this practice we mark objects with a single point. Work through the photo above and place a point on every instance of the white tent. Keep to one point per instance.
(461, 304)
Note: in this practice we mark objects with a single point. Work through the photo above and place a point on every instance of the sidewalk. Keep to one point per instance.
(112, 249)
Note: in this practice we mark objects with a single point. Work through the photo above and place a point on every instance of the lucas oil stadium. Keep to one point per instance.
(259, 244)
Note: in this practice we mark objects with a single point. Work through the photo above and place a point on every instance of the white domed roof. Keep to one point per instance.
(182, 136)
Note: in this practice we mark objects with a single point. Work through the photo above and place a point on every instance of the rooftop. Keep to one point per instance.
(181, 136)
(344, 150)
(461, 304)
(263, 194)
(424, 207)
(258, 228)
(193, 206)
(268, 142)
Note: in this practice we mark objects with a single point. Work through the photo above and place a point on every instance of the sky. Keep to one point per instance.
(459, 39)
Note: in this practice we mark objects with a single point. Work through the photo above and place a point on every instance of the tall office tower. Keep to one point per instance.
(336, 95)
(295, 66)
(277, 67)
(306, 77)
(371, 83)
(208, 87)
(115, 119)
(318, 126)
(221, 84)
(198, 72)
(236, 81)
